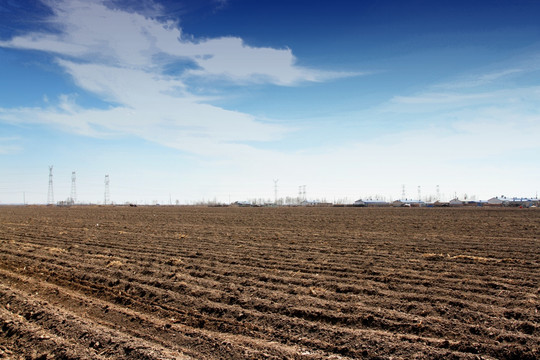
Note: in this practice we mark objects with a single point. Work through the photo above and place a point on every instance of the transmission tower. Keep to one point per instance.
(73, 188)
(304, 192)
(403, 192)
(438, 193)
(419, 193)
(107, 197)
(50, 193)
(275, 190)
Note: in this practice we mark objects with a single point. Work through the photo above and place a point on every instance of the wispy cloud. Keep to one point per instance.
(501, 74)
(480, 88)
(94, 32)
(200, 128)
(230, 58)
(121, 55)
(438, 98)
(481, 79)
(519, 100)
(8, 145)
(220, 4)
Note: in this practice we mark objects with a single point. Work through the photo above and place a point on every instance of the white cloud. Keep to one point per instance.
(8, 146)
(118, 55)
(496, 75)
(230, 58)
(482, 79)
(438, 98)
(519, 99)
(91, 31)
(127, 86)
(178, 123)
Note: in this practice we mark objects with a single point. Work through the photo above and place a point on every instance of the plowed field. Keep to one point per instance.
(273, 283)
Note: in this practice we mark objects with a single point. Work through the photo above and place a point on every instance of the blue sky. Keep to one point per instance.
(193, 100)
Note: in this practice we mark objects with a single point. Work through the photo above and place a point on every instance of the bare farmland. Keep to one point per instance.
(275, 283)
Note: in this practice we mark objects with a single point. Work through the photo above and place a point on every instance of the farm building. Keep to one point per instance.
(495, 201)
(363, 203)
(376, 203)
(241, 203)
(474, 203)
(314, 203)
(522, 202)
(456, 202)
(440, 204)
(408, 203)
(515, 201)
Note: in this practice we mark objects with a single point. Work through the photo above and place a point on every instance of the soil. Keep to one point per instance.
(269, 283)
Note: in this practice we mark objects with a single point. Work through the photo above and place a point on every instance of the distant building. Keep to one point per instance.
(455, 202)
(474, 203)
(495, 201)
(376, 203)
(323, 204)
(521, 202)
(408, 203)
(68, 202)
(440, 204)
(370, 203)
(241, 203)
(359, 203)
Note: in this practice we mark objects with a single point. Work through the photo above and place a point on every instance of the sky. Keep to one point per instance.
(232, 100)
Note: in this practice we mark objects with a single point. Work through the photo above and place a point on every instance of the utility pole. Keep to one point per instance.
(73, 188)
(50, 193)
(107, 197)
(275, 191)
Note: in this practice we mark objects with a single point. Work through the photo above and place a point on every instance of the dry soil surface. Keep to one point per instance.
(272, 283)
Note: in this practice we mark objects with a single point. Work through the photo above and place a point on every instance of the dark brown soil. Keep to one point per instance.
(269, 283)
